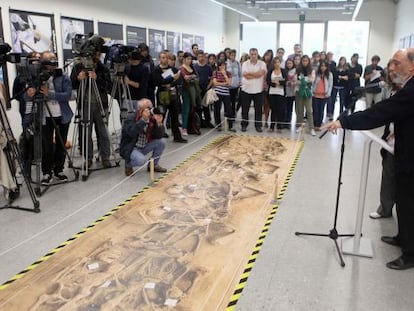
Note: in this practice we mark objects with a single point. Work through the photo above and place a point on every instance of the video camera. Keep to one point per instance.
(118, 55)
(5, 56)
(84, 48)
(35, 71)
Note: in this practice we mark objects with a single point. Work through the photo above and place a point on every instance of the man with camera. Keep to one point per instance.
(95, 107)
(136, 76)
(142, 135)
(56, 93)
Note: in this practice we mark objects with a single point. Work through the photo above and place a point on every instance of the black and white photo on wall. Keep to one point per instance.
(112, 33)
(136, 35)
(156, 42)
(200, 41)
(4, 85)
(173, 41)
(187, 41)
(32, 32)
(71, 27)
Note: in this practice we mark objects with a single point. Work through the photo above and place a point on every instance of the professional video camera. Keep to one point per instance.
(84, 48)
(117, 57)
(35, 71)
(5, 56)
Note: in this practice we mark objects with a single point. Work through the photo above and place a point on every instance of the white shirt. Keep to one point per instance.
(278, 90)
(253, 86)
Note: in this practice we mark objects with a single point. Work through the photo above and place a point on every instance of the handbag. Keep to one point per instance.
(164, 98)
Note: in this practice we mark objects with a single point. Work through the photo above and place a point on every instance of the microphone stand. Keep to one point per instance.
(333, 233)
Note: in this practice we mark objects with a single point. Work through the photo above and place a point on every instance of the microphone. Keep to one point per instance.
(344, 113)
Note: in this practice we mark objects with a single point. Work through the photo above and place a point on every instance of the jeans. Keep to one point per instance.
(318, 106)
(228, 111)
(137, 157)
(301, 103)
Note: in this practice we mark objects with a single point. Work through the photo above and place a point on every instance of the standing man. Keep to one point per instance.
(280, 52)
(234, 67)
(297, 50)
(98, 105)
(400, 110)
(372, 75)
(180, 59)
(253, 74)
(204, 72)
(194, 51)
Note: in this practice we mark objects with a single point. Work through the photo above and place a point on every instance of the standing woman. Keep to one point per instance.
(268, 59)
(355, 72)
(276, 79)
(233, 66)
(321, 90)
(189, 93)
(212, 61)
(290, 90)
(305, 76)
(341, 83)
(221, 83)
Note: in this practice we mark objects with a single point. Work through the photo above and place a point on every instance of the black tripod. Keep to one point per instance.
(83, 118)
(39, 104)
(333, 233)
(14, 157)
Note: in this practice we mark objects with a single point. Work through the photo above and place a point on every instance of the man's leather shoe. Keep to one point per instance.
(392, 240)
(400, 264)
(106, 163)
(244, 129)
(157, 169)
(128, 170)
(259, 129)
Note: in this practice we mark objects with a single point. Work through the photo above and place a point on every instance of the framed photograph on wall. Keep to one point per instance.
(71, 27)
(32, 32)
(112, 33)
(136, 35)
(173, 41)
(156, 42)
(187, 41)
(4, 82)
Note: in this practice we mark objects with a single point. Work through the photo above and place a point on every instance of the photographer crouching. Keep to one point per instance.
(56, 92)
(142, 135)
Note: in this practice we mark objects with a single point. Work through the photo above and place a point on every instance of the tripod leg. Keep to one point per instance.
(341, 258)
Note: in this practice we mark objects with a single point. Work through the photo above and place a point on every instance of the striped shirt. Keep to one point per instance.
(221, 90)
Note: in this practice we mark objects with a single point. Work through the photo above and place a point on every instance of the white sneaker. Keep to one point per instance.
(298, 130)
(184, 132)
(375, 215)
(313, 132)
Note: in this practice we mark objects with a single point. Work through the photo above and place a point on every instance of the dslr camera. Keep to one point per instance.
(34, 72)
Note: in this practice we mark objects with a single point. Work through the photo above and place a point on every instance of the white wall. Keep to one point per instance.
(404, 22)
(381, 15)
(232, 30)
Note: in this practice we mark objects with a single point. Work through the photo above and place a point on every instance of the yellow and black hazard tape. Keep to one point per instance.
(252, 260)
(110, 213)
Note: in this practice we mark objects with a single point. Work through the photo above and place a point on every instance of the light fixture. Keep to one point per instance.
(234, 10)
(357, 8)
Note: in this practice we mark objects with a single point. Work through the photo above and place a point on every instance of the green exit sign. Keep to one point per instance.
(302, 17)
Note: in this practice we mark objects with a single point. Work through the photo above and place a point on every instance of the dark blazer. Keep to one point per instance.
(398, 109)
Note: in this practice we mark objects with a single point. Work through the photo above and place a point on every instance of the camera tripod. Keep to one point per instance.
(121, 92)
(39, 104)
(14, 157)
(333, 233)
(83, 118)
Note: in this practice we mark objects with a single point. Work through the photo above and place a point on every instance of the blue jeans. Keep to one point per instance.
(137, 157)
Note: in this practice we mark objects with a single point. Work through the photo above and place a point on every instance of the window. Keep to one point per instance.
(289, 35)
(260, 35)
(313, 37)
(347, 38)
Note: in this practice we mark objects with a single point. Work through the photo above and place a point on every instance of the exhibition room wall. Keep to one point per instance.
(404, 22)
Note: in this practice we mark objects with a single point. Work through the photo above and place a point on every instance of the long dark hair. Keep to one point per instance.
(306, 71)
(326, 73)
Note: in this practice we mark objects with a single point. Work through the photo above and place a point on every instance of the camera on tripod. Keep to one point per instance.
(34, 72)
(117, 57)
(5, 56)
(84, 48)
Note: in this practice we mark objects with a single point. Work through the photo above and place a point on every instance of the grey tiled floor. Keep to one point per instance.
(291, 273)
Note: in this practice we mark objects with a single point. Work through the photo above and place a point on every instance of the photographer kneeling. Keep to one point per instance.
(140, 136)
(57, 92)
